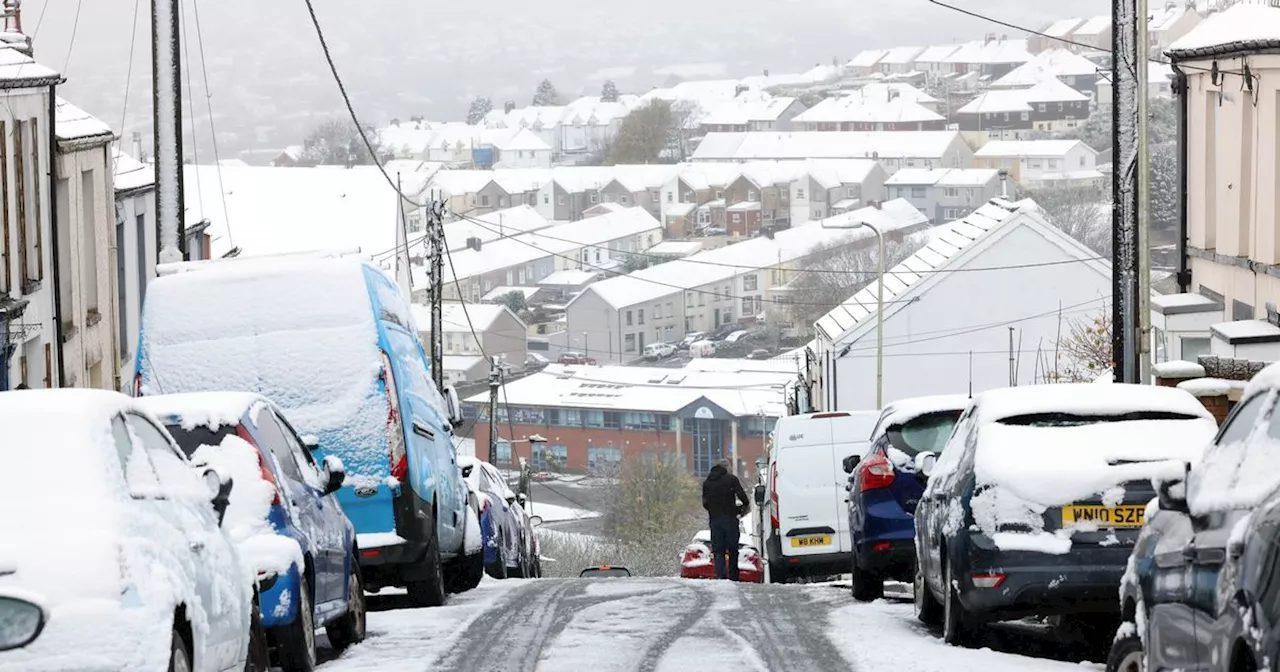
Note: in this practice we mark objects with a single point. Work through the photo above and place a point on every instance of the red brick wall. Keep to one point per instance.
(633, 443)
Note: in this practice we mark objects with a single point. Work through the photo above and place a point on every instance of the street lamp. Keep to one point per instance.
(879, 304)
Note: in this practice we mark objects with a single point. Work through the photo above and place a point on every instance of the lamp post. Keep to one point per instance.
(879, 304)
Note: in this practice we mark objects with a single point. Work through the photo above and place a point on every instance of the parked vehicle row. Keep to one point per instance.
(507, 529)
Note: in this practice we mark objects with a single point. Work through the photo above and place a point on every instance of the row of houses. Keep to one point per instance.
(77, 235)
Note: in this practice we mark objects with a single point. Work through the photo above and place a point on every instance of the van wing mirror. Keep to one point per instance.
(454, 406)
(759, 494)
(310, 441)
(850, 463)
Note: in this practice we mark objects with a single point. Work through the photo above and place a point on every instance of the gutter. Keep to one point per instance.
(53, 230)
(1180, 85)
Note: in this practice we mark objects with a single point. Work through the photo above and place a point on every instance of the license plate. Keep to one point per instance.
(800, 542)
(1104, 516)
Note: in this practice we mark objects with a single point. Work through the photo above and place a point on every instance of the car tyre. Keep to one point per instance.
(926, 606)
(179, 653)
(471, 573)
(351, 627)
(1126, 653)
(498, 568)
(429, 592)
(296, 642)
(865, 586)
(258, 658)
(957, 625)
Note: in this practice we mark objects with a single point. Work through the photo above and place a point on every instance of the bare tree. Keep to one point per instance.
(644, 134)
(1084, 353)
(338, 142)
(1084, 213)
(686, 124)
(834, 272)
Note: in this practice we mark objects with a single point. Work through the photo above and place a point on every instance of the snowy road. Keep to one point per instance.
(664, 625)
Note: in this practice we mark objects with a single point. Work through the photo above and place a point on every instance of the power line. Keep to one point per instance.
(128, 80)
(191, 106)
(75, 27)
(829, 271)
(465, 313)
(213, 128)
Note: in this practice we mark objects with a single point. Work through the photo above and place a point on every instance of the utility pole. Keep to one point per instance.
(166, 84)
(435, 229)
(1013, 381)
(1129, 58)
(1143, 336)
(495, 381)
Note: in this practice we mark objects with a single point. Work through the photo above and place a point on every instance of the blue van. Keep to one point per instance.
(332, 342)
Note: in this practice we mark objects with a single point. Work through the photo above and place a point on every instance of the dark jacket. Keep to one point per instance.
(721, 493)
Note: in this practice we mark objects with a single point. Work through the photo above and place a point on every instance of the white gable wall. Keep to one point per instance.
(966, 301)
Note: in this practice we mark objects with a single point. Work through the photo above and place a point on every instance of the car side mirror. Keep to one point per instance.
(511, 501)
(850, 463)
(466, 471)
(311, 442)
(759, 494)
(1172, 496)
(535, 521)
(219, 486)
(335, 472)
(454, 406)
(925, 462)
(22, 620)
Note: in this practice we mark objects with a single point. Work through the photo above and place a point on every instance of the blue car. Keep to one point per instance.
(332, 342)
(502, 521)
(287, 524)
(885, 485)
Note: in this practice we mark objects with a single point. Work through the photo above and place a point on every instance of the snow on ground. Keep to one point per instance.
(885, 635)
(552, 513)
(615, 635)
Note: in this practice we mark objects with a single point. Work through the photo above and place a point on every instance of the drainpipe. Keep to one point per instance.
(53, 230)
(1180, 86)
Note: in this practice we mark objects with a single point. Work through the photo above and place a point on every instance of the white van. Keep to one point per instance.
(807, 534)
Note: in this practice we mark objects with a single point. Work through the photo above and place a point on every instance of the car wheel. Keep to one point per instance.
(778, 573)
(258, 658)
(350, 628)
(471, 573)
(179, 655)
(296, 642)
(957, 628)
(1126, 652)
(430, 591)
(865, 586)
(927, 609)
(498, 568)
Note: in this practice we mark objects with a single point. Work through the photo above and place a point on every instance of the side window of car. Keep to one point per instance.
(171, 467)
(272, 438)
(139, 475)
(1268, 597)
(302, 457)
(1241, 421)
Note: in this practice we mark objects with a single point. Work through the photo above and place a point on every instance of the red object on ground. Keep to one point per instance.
(695, 563)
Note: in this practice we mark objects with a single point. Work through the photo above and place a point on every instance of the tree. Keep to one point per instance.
(834, 272)
(636, 262)
(546, 95)
(339, 142)
(1084, 213)
(1163, 127)
(645, 133)
(1165, 192)
(1084, 353)
(656, 499)
(515, 301)
(609, 92)
(686, 124)
(479, 108)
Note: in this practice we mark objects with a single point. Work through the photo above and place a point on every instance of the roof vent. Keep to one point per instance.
(474, 243)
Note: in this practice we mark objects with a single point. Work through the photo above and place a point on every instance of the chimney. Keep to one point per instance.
(1004, 184)
(876, 204)
(137, 147)
(766, 72)
(509, 106)
(12, 36)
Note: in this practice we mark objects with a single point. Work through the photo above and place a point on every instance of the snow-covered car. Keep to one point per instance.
(1224, 511)
(122, 548)
(655, 351)
(288, 527)
(689, 339)
(605, 572)
(332, 342)
(533, 551)
(501, 519)
(1035, 503)
(735, 336)
(697, 562)
(535, 362)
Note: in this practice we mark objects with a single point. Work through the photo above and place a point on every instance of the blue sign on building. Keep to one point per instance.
(482, 157)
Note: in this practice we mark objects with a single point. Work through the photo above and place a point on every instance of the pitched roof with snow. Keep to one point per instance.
(825, 145)
(943, 177)
(994, 52)
(996, 101)
(743, 110)
(1028, 148)
(867, 58)
(495, 225)
(1165, 19)
(130, 173)
(525, 140)
(944, 252)
(1095, 26)
(20, 70)
(1240, 28)
(455, 317)
(901, 55)
(887, 90)
(1047, 64)
(732, 260)
(855, 108)
(74, 123)
(938, 54)
(1062, 27)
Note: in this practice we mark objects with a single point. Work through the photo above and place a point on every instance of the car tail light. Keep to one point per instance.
(398, 459)
(988, 580)
(262, 463)
(773, 494)
(837, 414)
(881, 547)
(137, 384)
(877, 473)
(692, 553)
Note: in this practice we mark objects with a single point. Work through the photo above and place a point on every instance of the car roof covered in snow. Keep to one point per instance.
(1085, 399)
(906, 410)
(202, 409)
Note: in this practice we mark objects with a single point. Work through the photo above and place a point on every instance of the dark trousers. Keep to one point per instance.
(724, 546)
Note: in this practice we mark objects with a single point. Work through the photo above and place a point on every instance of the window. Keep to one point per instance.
(753, 195)
(612, 420)
(1082, 161)
(1040, 107)
(670, 310)
(554, 457)
(89, 241)
(624, 199)
(594, 197)
(799, 193)
(484, 200)
(174, 473)
(747, 305)
(629, 318)
(671, 197)
(749, 283)
(503, 450)
(62, 195)
(560, 199)
(1192, 348)
(952, 192)
(593, 418)
(719, 194)
(271, 437)
(728, 289)
(737, 217)
(629, 342)
(640, 316)
(603, 457)
(6, 267)
(546, 199)
(917, 192)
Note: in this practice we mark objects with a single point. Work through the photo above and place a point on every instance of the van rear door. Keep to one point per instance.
(850, 435)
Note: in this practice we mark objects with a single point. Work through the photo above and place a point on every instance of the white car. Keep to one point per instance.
(659, 351)
(111, 532)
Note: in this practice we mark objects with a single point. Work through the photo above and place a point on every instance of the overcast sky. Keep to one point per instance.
(268, 80)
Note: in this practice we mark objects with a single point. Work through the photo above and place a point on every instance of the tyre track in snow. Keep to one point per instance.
(694, 613)
(783, 625)
(510, 636)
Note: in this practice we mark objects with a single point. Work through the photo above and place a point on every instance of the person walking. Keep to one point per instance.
(726, 502)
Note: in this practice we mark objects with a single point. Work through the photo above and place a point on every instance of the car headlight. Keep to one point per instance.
(20, 622)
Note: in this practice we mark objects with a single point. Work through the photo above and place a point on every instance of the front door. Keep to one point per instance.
(708, 444)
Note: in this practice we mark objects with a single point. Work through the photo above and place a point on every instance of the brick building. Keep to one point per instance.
(592, 417)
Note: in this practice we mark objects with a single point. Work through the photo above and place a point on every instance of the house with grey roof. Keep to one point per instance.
(945, 194)
(949, 308)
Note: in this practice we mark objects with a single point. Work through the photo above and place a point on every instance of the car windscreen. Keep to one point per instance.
(190, 440)
(924, 433)
(1076, 420)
